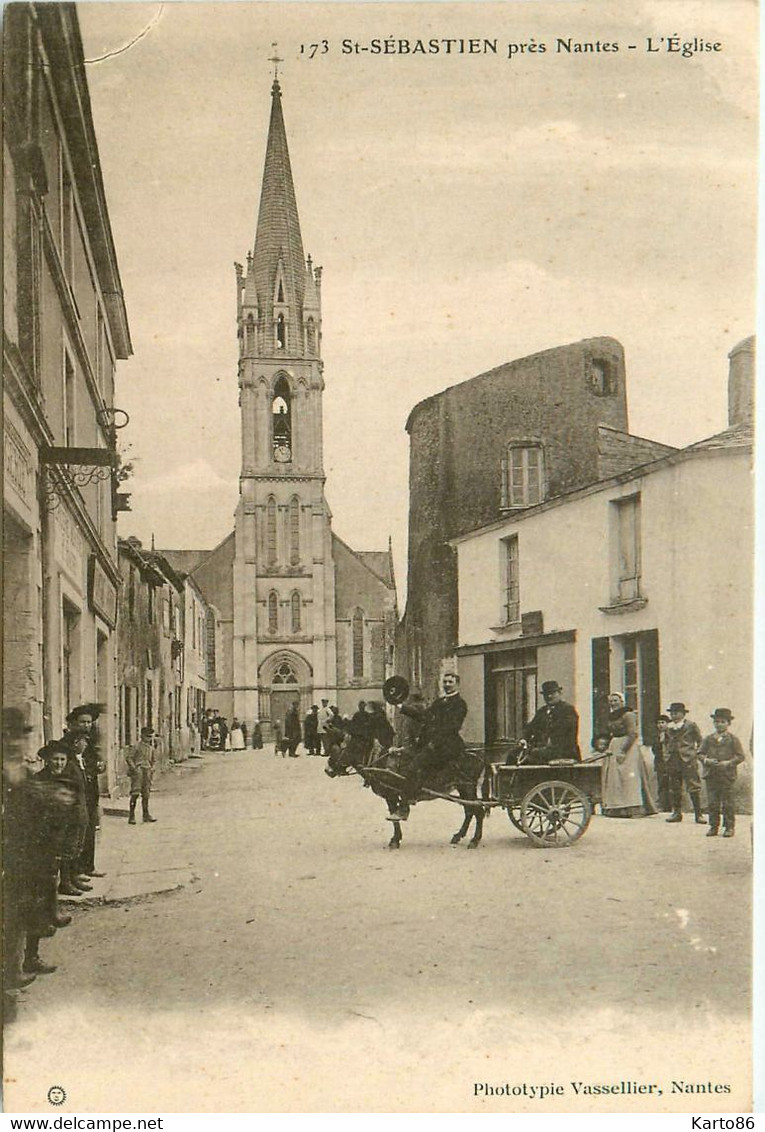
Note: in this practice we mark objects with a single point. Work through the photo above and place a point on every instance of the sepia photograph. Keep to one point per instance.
(378, 557)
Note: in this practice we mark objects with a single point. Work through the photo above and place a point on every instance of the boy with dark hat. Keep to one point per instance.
(660, 763)
(683, 742)
(720, 754)
(140, 765)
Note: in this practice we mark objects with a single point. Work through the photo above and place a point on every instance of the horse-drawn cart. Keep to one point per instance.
(550, 800)
(551, 803)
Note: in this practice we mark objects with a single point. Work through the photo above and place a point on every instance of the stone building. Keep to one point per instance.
(64, 328)
(163, 650)
(303, 616)
(657, 563)
(523, 433)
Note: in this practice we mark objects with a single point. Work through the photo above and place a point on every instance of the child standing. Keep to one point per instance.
(140, 765)
(660, 764)
(720, 754)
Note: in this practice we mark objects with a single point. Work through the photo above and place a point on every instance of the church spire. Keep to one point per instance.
(278, 262)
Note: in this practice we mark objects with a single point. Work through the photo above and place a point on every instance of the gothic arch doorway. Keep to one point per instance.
(284, 678)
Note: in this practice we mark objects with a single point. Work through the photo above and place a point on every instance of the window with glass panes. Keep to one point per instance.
(512, 603)
(525, 475)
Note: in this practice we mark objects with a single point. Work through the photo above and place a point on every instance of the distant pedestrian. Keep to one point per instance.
(257, 736)
(323, 721)
(140, 763)
(279, 745)
(660, 750)
(292, 730)
(683, 742)
(720, 754)
(237, 735)
(310, 733)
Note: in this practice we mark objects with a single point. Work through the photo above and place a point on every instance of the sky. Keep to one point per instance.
(467, 210)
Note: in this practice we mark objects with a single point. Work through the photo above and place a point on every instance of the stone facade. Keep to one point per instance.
(290, 596)
(65, 326)
(529, 430)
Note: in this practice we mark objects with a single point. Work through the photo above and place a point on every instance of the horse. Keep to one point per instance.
(381, 770)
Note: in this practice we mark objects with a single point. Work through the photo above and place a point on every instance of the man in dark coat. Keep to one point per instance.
(292, 730)
(310, 731)
(553, 732)
(441, 741)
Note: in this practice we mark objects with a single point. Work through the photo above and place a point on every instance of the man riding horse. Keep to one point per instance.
(440, 741)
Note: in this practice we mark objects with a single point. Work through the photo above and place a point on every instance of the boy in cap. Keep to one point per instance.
(661, 769)
(140, 764)
(720, 754)
(683, 742)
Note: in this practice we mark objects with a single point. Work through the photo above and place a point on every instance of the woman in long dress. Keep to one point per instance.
(626, 789)
(237, 735)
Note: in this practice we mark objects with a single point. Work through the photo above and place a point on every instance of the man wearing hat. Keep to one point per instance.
(683, 742)
(554, 730)
(720, 754)
(140, 765)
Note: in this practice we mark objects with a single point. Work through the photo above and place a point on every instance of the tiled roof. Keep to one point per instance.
(738, 436)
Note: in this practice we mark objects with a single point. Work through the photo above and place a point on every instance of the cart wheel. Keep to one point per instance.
(555, 814)
(515, 813)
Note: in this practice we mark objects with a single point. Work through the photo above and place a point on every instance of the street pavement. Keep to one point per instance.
(260, 949)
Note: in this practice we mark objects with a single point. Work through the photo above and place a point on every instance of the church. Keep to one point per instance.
(300, 616)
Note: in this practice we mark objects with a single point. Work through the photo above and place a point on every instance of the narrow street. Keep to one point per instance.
(306, 968)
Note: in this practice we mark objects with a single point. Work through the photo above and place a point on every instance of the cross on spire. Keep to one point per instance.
(275, 60)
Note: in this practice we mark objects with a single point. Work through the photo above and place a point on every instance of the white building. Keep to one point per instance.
(641, 583)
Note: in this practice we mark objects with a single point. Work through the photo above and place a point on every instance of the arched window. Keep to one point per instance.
(273, 612)
(249, 340)
(281, 333)
(295, 612)
(281, 421)
(285, 674)
(294, 521)
(310, 337)
(357, 634)
(271, 531)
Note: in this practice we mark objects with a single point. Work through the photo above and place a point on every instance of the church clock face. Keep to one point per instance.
(282, 453)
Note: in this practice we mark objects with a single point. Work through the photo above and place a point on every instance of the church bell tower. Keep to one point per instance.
(284, 580)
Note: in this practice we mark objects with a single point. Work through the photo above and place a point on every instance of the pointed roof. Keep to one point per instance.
(278, 232)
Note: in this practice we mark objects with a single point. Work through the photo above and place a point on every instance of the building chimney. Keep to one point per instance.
(741, 383)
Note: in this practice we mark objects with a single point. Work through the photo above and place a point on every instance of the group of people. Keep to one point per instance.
(324, 730)
(51, 817)
(216, 735)
(680, 754)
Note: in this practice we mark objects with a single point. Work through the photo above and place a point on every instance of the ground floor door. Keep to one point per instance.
(511, 694)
